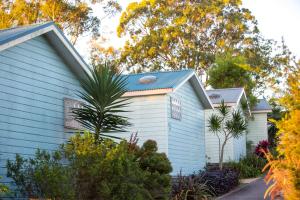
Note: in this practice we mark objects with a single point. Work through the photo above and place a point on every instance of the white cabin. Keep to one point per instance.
(235, 148)
(258, 123)
(257, 129)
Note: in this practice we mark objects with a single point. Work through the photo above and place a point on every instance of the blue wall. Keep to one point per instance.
(34, 80)
(186, 139)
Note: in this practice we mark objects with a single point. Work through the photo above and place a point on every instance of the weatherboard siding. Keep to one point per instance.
(235, 148)
(212, 143)
(257, 128)
(34, 80)
(186, 136)
(147, 115)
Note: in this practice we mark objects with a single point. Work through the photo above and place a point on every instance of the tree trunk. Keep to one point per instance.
(222, 155)
(97, 135)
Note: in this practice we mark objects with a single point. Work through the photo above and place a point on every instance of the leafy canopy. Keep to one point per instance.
(103, 104)
(177, 34)
(73, 17)
(230, 72)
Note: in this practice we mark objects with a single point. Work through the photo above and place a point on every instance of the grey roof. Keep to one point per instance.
(229, 95)
(167, 79)
(262, 105)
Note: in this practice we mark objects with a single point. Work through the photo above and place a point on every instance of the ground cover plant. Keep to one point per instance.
(190, 187)
(248, 167)
(84, 169)
(220, 181)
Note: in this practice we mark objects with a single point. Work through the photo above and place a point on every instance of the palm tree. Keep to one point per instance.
(229, 125)
(103, 102)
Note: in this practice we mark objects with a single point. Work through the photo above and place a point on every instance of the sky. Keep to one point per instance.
(276, 19)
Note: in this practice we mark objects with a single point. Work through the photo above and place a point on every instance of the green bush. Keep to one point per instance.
(84, 169)
(248, 167)
(41, 177)
(3, 188)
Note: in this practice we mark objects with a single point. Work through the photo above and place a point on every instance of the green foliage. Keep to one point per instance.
(182, 34)
(73, 17)
(41, 177)
(230, 72)
(102, 92)
(84, 169)
(250, 166)
(226, 125)
(3, 188)
(105, 170)
(156, 169)
(276, 115)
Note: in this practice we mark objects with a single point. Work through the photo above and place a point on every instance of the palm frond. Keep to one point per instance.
(223, 109)
(214, 123)
(102, 92)
(236, 125)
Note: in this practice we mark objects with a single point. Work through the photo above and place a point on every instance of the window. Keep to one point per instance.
(69, 119)
(175, 108)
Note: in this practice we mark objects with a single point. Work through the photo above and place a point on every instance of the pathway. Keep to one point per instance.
(253, 191)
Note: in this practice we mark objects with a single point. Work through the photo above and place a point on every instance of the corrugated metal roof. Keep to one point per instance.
(167, 79)
(229, 95)
(7, 35)
(262, 105)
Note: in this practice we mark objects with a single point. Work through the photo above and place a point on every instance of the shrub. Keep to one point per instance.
(41, 177)
(220, 181)
(92, 170)
(248, 167)
(284, 171)
(3, 188)
(262, 146)
(156, 168)
(190, 187)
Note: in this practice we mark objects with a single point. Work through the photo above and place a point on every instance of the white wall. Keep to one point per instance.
(186, 136)
(257, 128)
(148, 116)
(235, 148)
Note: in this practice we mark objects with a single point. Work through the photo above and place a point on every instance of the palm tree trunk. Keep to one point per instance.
(222, 155)
(97, 135)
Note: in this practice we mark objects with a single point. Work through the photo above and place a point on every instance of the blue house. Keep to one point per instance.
(168, 107)
(39, 71)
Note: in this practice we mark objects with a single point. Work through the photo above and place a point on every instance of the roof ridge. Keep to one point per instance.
(27, 25)
(226, 89)
(153, 72)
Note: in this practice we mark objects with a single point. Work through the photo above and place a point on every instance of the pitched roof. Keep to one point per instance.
(262, 106)
(165, 82)
(7, 35)
(229, 95)
(14, 36)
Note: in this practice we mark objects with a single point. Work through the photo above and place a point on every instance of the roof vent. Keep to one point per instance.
(147, 79)
(214, 96)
